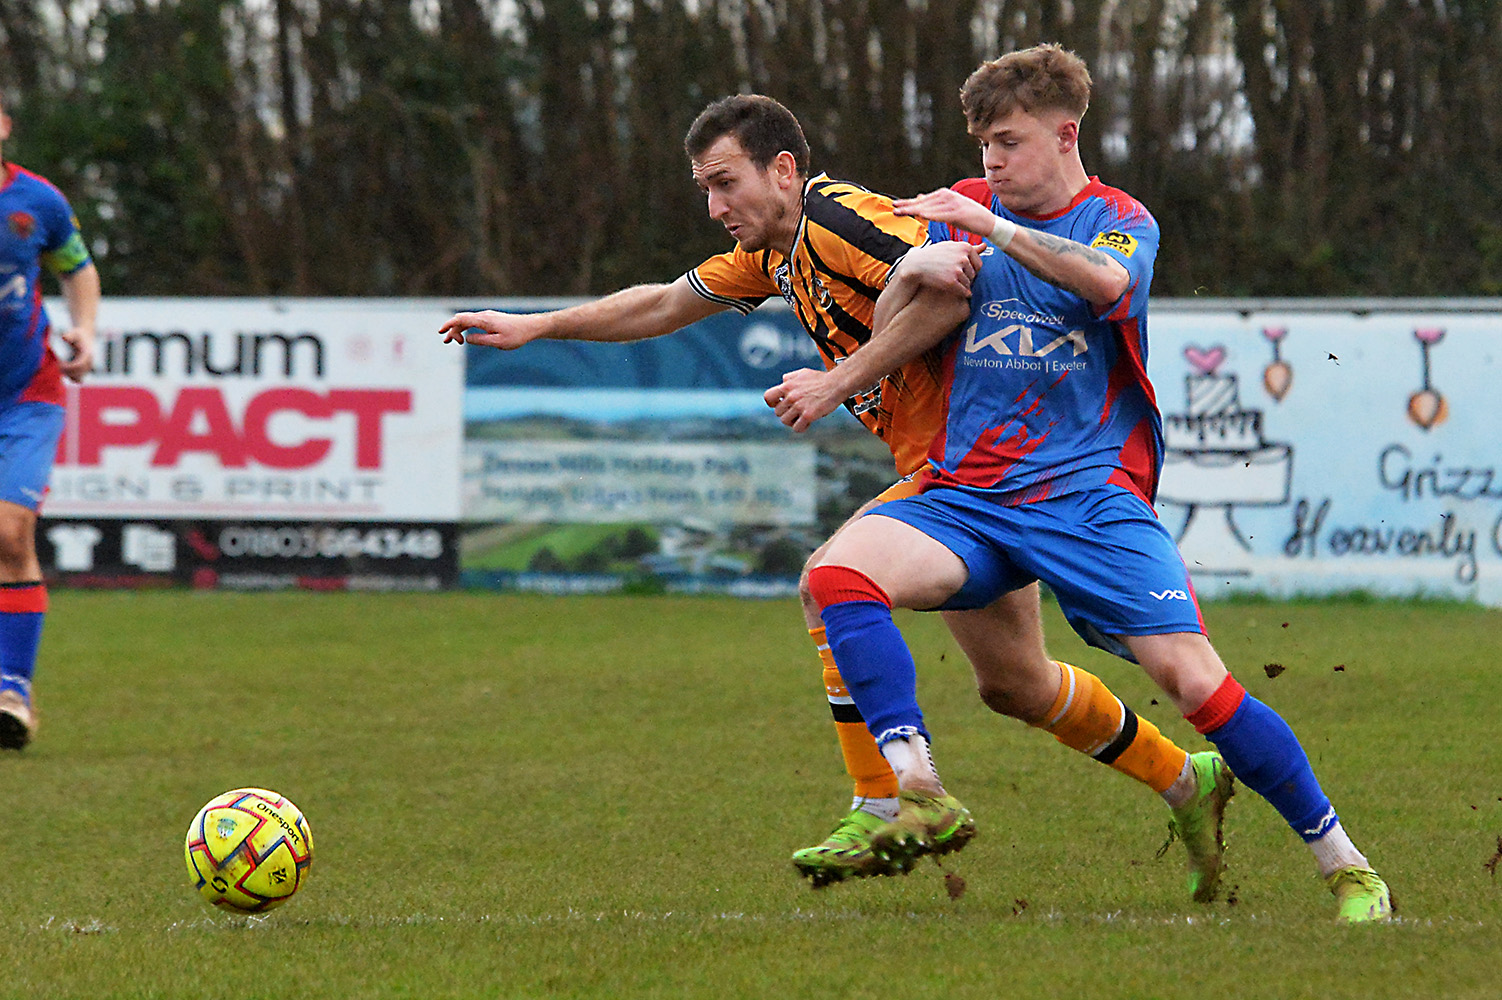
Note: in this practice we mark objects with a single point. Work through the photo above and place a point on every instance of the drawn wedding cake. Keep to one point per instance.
(1215, 420)
(1215, 452)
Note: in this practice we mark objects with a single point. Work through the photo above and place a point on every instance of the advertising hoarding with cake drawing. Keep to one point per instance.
(1325, 447)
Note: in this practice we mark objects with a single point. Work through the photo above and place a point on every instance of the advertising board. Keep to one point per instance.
(332, 422)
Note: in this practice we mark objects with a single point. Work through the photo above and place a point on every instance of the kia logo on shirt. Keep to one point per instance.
(1023, 337)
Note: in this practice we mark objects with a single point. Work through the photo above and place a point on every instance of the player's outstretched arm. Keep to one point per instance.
(636, 313)
(81, 292)
(1093, 275)
(949, 206)
(925, 317)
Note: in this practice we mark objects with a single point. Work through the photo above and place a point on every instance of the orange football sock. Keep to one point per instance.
(1087, 717)
(869, 770)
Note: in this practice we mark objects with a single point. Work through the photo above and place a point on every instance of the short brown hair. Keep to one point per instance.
(761, 125)
(1043, 78)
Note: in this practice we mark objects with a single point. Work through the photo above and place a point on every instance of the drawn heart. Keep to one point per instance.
(1275, 333)
(1205, 362)
(1430, 335)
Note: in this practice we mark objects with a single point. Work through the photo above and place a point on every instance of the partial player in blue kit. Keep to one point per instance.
(37, 230)
(1046, 469)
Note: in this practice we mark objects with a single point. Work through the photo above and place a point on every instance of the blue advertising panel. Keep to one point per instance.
(592, 467)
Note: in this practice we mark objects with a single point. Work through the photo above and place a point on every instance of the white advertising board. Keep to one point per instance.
(1315, 449)
(312, 409)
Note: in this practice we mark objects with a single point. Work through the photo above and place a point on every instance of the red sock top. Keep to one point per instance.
(838, 584)
(1219, 707)
(23, 597)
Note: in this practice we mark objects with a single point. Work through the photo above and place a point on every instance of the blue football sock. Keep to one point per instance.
(1265, 754)
(877, 667)
(20, 635)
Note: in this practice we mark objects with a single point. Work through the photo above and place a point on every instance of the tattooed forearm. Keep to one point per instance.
(1060, 246)
(1072, 266)
(1053, 279)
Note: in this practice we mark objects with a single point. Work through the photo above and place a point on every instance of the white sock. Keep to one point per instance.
(1334, 851)
(1183, 788)
(882, 808)
(912, 762)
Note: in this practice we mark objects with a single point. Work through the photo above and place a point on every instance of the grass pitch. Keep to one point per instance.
(518, 796)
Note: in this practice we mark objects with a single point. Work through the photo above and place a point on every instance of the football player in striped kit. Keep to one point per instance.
(828, 247)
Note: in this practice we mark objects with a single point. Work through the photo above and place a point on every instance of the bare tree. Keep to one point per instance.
(356, 147)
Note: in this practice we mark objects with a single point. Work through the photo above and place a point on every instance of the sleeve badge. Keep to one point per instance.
(1116, 240)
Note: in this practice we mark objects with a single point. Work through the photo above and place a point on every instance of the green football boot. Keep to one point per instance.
(845, 853)
(925, 824)
(1199, 824)
(1362, 895)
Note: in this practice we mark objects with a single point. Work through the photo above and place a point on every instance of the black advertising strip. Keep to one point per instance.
(249, 555)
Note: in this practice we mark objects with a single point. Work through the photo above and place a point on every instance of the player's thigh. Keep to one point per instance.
(914, 569)
(1005, 634)
(1183, 664)
(18, 556)
(905, 487)
(29, 434)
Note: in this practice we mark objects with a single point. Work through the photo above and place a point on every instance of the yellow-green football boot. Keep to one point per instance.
(1200, 822)
(925, 824)
(845, 853)
(1363, 897)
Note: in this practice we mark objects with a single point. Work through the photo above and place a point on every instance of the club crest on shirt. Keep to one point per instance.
(821, 293)
(783, 276)
(1116, 240)
(23, 224)
(784, 279)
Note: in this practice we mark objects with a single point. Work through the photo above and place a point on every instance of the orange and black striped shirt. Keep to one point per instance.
(847, 243)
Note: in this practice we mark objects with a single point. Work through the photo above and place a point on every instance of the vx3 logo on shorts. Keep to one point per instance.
(1169, 595)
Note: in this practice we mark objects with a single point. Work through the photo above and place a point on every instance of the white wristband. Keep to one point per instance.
(1003, 233)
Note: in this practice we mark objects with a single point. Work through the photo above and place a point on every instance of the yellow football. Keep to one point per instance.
(248, 850)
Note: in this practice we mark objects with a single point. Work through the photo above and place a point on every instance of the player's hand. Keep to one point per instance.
(804, 396)
(81, 339)
(948, 205)
(948, 266)
(490, 328)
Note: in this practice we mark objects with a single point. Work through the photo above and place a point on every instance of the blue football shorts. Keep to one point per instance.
(29, 433)
(1111, 564)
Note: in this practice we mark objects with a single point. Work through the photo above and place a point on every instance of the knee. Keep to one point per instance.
(17, 540)
(1186, 667)
(998, 696)
(805, 594)
(1022, 690)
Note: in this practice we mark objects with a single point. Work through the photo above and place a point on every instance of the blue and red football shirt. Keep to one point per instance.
(1044, 394)
(37, 228)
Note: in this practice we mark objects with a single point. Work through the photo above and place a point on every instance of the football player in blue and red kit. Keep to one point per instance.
(827, 247)
(1046, 468)
(37, 230)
